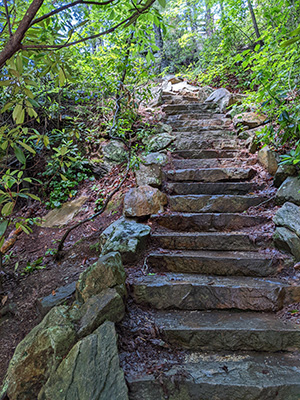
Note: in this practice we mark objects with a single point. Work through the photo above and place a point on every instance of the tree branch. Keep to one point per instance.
(65, 7)
(125, 22)
(14, 43)
(7, 18)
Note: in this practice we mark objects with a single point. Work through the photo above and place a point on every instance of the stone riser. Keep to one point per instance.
(213, 204)
(209, 174)
(210, 241)
(231, 188)
(201, 292)
(183, 144)
(208, 153)
(213, 163)
(206, 222)
(228, 331)
(213, 263)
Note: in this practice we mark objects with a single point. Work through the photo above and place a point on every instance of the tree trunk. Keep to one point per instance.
(160, 44)
(253, 19)
(209, 21)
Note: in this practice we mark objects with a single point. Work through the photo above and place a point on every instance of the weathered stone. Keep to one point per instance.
(227, 331)
(125, 236)
(149, 175)
(175, 79)
(107, 272)
(57, 297)
(289, 191)
(90, 371)
(216, 203)
(288, 216)
(114, 151)
(62, 216)
(155, 158)
(288, 241)
(39, 354)
(159, 142)
(108, 305)
(222, 377)
(283, 172)
(269, 159)
(227, 241)
(249, 119)
(144, 200)
(210, 174)
(207, 221)
(201, 292)
(213, 263)
(222, 97)
(161, 128)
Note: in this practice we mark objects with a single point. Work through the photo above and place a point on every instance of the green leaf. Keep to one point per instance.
(7, 209)
(61, 77)
(34, 197)
(46, 141)
(162, 3)
(30, 149)
(19, 114)
(3, 226)
(20, 155)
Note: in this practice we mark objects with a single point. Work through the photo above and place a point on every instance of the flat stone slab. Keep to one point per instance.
(210, 174)
(203, 292)
(226, 144)
(171, 109)
(212, 163)
(228, 331)
(207, 221)
(214, 263)
(216, 203)
(206, 153)
(212, 188)
(57, 297)
(222, 377)
(62, 216)
(210, 241)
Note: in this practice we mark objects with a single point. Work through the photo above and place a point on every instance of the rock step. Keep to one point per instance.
(227, 263)
(210, 174)
(197, 115)
(213, 163)
(228, 331)
(202, 129)
(182, 188)
(237, 376)
(202, 292)
(194, 143)
(178, 108)
(203, 135)
(191, 222)
(210, 241)
(200, 124)
(201, 154)
(216, 203)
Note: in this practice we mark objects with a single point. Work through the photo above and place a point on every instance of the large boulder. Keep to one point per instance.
(39, 354)
(159, 142)
(289, 191)
(114, 151)
(107, 272)
(149, 175)
(224, 99)
(249, 120)
(283, 172)
(269, 159)
(106, 306)
(288, 216)
(143, 201)
(125, 236)
(156, 158)
(90, 371)
(287, 240)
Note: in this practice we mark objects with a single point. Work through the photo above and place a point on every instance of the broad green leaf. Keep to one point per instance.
(162, 3)
(20, 155)
(3, 226)
(30, 149)
(7, 209)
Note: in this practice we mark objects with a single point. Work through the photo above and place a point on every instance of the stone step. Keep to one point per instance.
(225, 263)
(210, 241)
(201, 154)
(210, 174)
(202, 292)
(196, 115)
(204, 135)
(228, 331)
(191, 222)
(175, 109)
(233, 376)
(220, 144)
(196, 124)
(196, 203)
(213, 163)
(182, 188)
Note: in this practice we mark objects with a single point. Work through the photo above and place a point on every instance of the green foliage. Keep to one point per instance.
(33, 266)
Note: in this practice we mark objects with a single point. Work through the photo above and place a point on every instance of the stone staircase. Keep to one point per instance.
(213, 291)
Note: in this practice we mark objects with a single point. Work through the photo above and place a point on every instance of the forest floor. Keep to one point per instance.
(18, 302)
